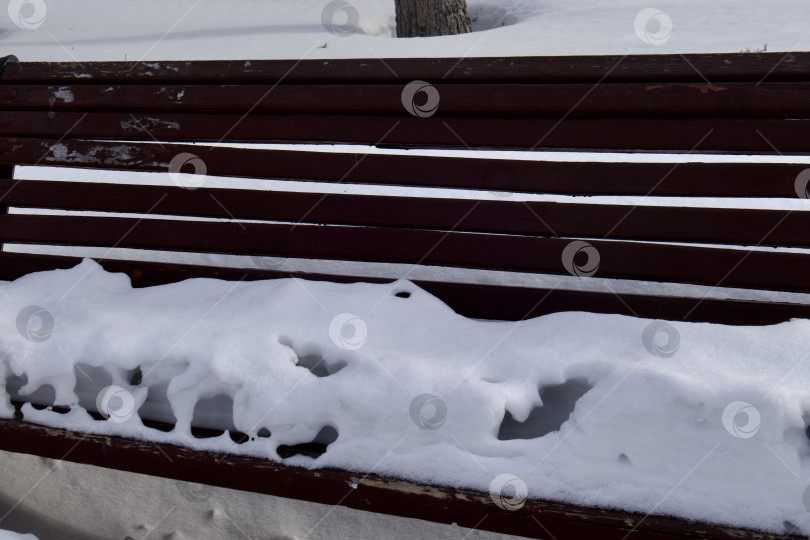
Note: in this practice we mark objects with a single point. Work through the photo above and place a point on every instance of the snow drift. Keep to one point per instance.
(696, 420)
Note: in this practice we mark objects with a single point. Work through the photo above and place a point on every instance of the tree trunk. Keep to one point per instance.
(420, 18)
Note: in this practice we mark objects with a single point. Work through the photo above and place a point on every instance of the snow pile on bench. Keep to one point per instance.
(696, 420)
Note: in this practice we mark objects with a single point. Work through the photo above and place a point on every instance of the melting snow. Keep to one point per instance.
(591, 409)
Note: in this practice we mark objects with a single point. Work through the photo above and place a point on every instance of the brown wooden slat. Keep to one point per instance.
(622, 260)
(750, 135)
(373, 493)
(6, 172)
(574, 178)
(470, 300)
(518, 303)
(786, 269)
(672, 224)
(778, 66)
(615, 99)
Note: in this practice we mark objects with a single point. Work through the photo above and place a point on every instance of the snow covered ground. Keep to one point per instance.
(696, 420)
(205, 29)
(8, 535)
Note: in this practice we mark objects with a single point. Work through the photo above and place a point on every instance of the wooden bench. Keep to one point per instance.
(141, 117)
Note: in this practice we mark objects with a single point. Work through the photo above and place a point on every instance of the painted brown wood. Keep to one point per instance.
(621, 260)
(565, 178)
(495, 302)
(729, 135)
(361, 491)
(673, 224)
(724, 116)
(6, 174)
(752, 67)
(770, 99)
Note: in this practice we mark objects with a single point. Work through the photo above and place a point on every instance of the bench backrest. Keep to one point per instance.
(136, 117)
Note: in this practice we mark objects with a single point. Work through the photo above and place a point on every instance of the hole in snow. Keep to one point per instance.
(90, 381)
(315, 449)
(156, 424)
(789, 527)
(41, 398)
(13, 385)
(136, 376)
(206, 433)
(238, 437)
(318, 366)
(264, 432)
(403, 294)
(558, 404)
(326, 436)
(156, 412)
(213, 416)
(308, 357)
